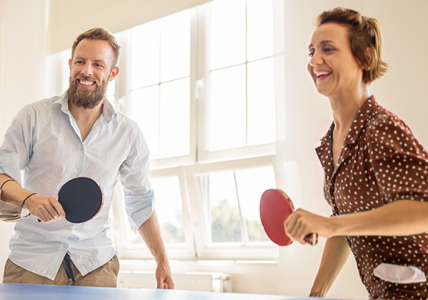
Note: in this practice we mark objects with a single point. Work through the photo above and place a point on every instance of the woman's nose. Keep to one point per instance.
(316, 59)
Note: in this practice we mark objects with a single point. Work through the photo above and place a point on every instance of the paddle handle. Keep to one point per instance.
(311, 239)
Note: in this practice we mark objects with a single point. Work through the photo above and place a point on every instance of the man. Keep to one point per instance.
(77, 134)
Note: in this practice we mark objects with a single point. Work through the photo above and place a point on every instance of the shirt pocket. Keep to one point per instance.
(399, 274)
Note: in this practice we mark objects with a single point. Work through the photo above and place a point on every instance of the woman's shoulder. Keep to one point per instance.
(381, 119)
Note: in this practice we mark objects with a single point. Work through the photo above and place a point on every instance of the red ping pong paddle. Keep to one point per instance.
(275, 207)
(81, 198)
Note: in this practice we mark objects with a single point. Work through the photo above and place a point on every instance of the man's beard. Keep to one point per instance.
(86, 98)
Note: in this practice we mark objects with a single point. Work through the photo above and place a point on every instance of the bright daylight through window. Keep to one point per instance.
(200, 85)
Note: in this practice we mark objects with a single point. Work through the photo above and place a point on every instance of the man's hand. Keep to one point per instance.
(151, 234)
(46, 209)
(301, 223)
(163, 276)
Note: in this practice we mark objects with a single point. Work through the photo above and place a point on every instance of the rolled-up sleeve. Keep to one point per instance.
(134, 175)
(17, 147)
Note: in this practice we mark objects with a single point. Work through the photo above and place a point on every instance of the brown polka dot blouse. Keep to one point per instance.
(380, 162)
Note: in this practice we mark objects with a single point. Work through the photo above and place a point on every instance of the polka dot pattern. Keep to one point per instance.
(380, 162)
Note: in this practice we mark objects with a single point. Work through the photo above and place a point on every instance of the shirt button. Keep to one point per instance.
(69, 227)
(77, 175)
(64, 245)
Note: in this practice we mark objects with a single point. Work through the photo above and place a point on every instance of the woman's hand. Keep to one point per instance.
(301, 223)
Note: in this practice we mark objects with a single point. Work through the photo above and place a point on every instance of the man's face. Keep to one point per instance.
(91, 69)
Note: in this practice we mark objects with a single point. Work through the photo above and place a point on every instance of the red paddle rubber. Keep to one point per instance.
(275, 207)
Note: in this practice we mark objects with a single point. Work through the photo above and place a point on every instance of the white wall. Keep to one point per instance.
(22, 40)
(306, 118)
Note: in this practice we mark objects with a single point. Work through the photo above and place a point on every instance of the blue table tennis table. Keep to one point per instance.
(14, 291)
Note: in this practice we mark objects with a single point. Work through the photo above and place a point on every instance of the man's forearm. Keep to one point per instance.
(12, 192)
(151, 234)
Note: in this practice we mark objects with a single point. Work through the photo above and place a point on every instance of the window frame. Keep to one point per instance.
(200, 161)
(204, 88)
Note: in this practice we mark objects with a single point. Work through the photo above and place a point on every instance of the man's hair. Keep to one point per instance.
(364, 33)
(100, 34)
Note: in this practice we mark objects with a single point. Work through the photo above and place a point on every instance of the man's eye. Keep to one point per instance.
(78, 62)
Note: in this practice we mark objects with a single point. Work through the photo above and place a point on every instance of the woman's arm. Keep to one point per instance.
(336, 252)
(402, 217)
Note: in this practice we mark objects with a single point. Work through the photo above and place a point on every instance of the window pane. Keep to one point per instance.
(227, 33)
(225, 218)
(145, 55)
(261, 102)
(175, 46)
(169, 212)
(145, 111)
(57, 73)
(251, 184)
(228, 108)
(111, 90)
(169, 208)
(259, 29)
(111, 87)
(175, 118)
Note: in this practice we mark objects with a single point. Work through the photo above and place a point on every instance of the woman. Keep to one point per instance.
(376, 172)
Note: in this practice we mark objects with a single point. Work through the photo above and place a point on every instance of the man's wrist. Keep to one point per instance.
(162, 260)
(28, 197)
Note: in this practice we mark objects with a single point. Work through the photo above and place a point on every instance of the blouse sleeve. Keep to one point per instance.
(397, 159)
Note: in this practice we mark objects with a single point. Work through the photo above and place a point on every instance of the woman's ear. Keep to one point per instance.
(369, 55)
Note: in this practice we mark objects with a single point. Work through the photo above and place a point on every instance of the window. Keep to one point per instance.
(160, 84)
(200, 85)
(231, 200)
(240, 102)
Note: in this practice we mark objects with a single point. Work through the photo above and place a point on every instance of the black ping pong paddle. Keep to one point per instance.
(81, 198)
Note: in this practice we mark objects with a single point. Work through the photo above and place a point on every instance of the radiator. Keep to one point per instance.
(194, 281)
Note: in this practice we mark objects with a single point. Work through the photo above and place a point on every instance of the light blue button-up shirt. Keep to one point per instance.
(45, 142)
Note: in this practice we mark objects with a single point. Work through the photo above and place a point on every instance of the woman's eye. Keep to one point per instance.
(311, 54)
(328, 50)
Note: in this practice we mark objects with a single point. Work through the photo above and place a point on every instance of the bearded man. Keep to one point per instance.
(78, 134)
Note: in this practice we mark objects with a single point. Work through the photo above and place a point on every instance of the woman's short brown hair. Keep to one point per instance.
(101, 34)
(364, 33)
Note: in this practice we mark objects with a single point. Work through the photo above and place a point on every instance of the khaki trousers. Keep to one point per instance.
(104, 276)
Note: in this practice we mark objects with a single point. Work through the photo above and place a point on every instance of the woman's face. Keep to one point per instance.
(333, 68)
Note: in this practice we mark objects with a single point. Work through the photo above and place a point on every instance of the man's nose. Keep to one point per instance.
(87, 70)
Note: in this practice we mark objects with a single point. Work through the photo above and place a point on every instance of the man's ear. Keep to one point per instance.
(114, 73)
(69, 63)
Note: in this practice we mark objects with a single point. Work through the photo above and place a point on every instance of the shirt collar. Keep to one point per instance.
(108, 110)
(360, 121)
(356, 126)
